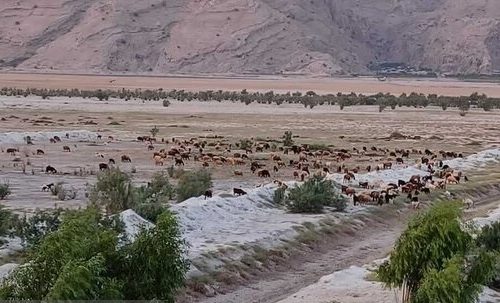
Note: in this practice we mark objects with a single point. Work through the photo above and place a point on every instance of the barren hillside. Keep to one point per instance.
(249, 36)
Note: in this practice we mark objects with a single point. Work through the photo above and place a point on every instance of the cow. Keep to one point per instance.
(264, 173)
(363, 184)
(12, 151)
(50, 169)
(47, 187)
(66, 148)
(126, 158)
(239, 192)
(208, 194)
(361, 198)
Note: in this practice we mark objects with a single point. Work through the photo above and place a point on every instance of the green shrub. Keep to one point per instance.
(246, 144)
(150, 211)
(4, 190)
(154, 131)
(313, 195)
(489, 238)
(193, 184)
(287, 138)
(166, 103)
(435, 259)
(7, 220)
(82, 260)
(279, 195)
(33, 229)
(151, 200)
(150, 273)
(318, 146)
(113, 191)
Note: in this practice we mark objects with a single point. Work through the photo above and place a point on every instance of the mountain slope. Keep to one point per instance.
(249, 36)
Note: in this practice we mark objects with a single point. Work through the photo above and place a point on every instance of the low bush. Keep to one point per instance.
(193, 184)
(113, 191)
(313, 195)
(34, 228)
(4, 190)
(246, 144)
(279, 195)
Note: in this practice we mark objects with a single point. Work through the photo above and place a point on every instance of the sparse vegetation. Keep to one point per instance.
(113, 191)
(313, 195)
(287, 138)
(154, 131)
(246, 144)
(4, 190)
(193, 184)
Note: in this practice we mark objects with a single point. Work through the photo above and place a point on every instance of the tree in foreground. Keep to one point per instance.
(436, 259)
(313, 195)
(156, 262)
(84, 260)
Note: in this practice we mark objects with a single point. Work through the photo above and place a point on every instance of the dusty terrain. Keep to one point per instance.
(226, 222)
(248, 36)
(124, 121)
(361, 85)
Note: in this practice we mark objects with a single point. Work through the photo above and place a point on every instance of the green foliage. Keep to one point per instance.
(317, 146)
(156, 263)
(313, 195)
(489, 238)
(246, 144)
(34, 228)
(193, 184)
(84, 260)
(152, 199)
(154, 131)
(150, 211)
(279, 195)
(434, 259)
(113, 191)
(166, 103)
(7, 219)
(64, 263)
(287, 138)
(4, 190)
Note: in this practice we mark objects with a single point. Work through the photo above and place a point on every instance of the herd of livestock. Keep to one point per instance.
(264, 160)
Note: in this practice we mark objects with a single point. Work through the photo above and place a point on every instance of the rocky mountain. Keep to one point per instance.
(249, 36)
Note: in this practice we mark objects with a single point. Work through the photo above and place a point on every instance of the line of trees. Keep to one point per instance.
(309, 99)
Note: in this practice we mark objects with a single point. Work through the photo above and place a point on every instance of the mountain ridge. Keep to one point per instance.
(319, 37)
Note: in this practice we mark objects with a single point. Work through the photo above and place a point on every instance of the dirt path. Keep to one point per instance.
(374, 241)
